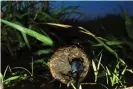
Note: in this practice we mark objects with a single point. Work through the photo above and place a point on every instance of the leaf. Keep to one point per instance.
(41, 61)
(110, 43)
(30, 32)
(99, 62)
(1, 78)
(109, 74)
(107, 79)
(47, 16)
(5, 72)
(95, 70)
(59, 25)
(25, 39)
(94, 66)
(22, 68)
(101, 42)
(20, 39)
(128, 23)
(11, 78)
(24, 36)
(124, 70)
(43, 51)
(130, 70)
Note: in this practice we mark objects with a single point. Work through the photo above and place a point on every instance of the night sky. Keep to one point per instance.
(94, 9)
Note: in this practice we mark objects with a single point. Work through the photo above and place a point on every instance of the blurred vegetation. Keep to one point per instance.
(31, 31)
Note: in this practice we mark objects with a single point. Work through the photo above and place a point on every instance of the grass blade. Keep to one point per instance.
(111, 43)
(43, 51)
(40, 37)
(1, 79)
(11, 78)
(101, 42)
(128, 23)
(95, 70)
(25, 39)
